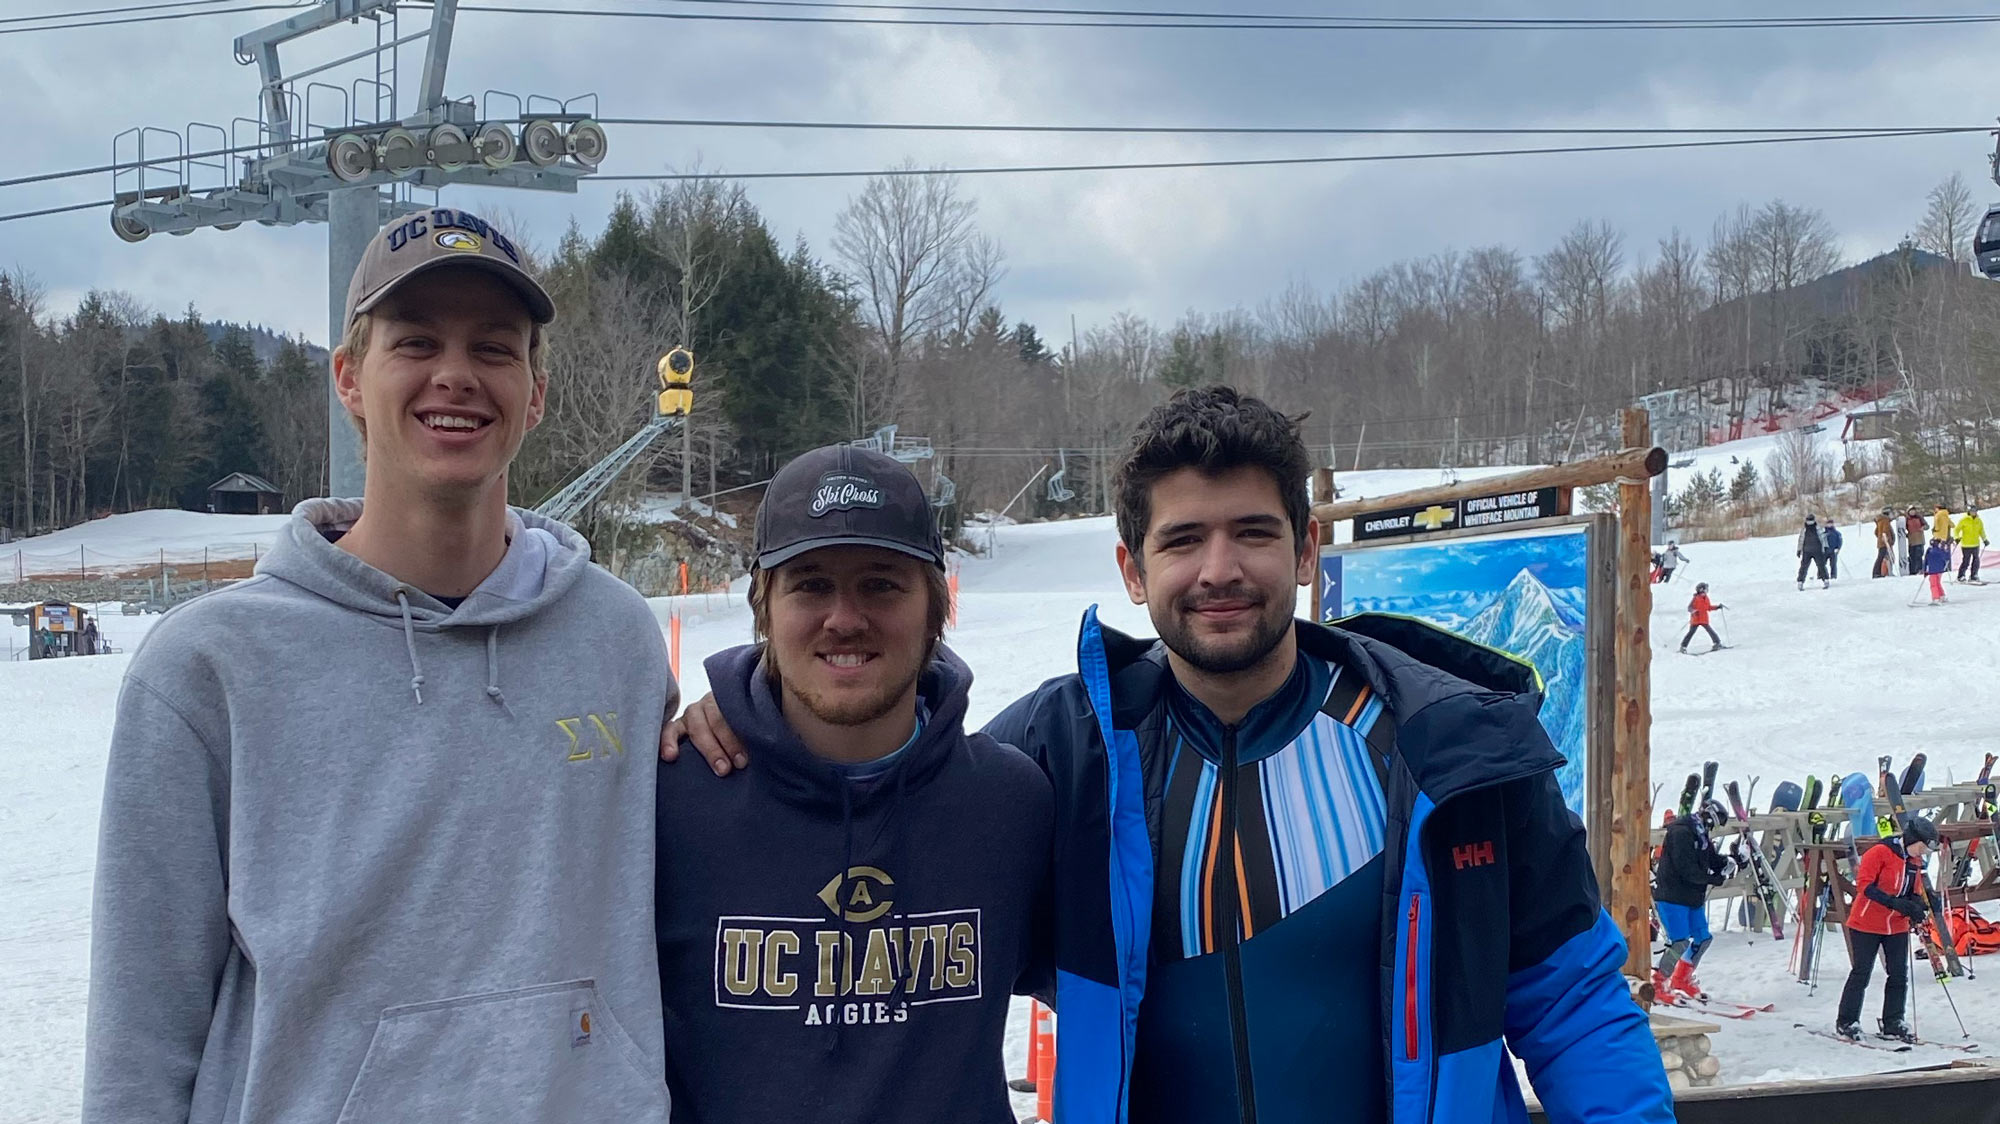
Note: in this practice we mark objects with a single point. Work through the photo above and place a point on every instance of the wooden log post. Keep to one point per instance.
(1638, 462)
(1322, 493)
(1629, 897)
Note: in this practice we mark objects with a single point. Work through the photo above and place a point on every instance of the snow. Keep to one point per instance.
(665, 507)
(1818, 682)
(139, 537)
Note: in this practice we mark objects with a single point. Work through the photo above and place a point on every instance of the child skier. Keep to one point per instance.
(1689, 865)
(1698, 610)
(1885, 541)
(1971, 536)
(1892, 898)
(1937, 561)
(1832, 551)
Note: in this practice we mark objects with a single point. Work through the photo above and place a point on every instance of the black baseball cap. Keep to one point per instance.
(844, 495)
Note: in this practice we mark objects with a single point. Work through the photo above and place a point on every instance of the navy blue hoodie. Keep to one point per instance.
(793, 993)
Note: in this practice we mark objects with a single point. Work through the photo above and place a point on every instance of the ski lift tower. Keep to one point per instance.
(343, 156)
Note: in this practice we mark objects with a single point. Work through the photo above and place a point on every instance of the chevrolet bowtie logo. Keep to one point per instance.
(1433, 517)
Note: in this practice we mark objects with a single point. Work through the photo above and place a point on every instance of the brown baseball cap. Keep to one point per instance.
(441, 238)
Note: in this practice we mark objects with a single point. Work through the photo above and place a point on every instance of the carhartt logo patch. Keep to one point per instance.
(841, 491)
(579, 1027)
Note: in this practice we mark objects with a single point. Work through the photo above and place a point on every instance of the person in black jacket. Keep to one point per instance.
(840, 929)
(1813, 550)
(1689, 866)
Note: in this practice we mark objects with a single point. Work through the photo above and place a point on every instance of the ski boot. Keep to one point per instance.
(1802, 587)
(1824, 584)
(1660, 991)
(1849, 1031)
(1898, 1030)
(1683, 984)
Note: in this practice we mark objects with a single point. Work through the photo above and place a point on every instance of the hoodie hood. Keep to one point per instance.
(543, 562)
(802, 778)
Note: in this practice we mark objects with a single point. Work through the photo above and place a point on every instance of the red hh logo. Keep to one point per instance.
(1472, 854)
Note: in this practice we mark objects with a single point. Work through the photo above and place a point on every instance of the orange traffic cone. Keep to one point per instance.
(1026, 1082)
(1045, 1064)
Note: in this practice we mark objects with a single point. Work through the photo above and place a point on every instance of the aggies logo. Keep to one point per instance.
(862, 964)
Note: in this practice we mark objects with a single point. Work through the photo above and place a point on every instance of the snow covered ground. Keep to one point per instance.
(1818, 682)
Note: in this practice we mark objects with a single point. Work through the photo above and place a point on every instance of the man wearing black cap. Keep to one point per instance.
(840, 929)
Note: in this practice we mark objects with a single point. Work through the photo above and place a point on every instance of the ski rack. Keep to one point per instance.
(1797, 863)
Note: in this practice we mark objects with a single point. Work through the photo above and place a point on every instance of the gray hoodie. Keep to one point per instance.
(365, 858)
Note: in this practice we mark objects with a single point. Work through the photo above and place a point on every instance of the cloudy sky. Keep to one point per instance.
(1157, 243)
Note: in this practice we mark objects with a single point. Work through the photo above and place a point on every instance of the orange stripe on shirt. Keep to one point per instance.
(1354, 712)
(1209, 939)
(1242, 887)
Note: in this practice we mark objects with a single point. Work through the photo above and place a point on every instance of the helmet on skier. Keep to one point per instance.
(1920, 830)
(1712, 814)
(1701, 587)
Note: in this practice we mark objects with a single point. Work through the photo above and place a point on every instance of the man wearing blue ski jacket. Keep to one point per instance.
(1305, 873)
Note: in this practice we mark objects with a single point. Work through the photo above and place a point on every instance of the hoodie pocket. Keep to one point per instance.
(548, 1053)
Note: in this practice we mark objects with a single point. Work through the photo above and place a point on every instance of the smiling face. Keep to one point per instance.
(445, 391)
(849, 630)
(1220, 569)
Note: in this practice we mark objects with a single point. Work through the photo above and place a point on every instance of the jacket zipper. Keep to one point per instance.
(1232, 952)
(1410, 985)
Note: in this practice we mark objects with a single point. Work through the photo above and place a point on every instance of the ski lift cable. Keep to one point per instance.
(1032, 18)
(1804, 132)
(141, 19)
(1164, 165)
(1285, 19)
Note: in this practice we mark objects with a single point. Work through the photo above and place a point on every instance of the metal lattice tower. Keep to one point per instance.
(341, 155)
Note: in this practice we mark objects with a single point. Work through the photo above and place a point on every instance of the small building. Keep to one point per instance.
(240, 493)
(1870, 425)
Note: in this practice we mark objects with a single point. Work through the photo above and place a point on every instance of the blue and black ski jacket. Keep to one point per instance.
(1492, 937)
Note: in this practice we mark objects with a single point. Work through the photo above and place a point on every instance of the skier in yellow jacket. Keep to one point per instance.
(1971, 536)
(1941, 524)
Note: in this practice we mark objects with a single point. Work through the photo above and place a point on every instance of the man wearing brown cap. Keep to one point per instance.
(373, 846)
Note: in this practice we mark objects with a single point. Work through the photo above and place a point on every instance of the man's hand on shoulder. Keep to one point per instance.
(701, 726)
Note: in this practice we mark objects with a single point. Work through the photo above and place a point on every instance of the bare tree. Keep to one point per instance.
(903, 241)
(1949, 218)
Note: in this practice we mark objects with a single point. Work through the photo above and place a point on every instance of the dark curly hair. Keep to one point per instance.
(1213, 430)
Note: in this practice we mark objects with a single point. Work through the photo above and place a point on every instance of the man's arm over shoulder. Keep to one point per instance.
(1570, 1016)
(159, 915)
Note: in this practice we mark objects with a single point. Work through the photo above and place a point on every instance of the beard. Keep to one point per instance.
(1225, 655)
(851, 708)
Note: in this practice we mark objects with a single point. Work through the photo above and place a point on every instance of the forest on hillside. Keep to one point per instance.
(1485, 354)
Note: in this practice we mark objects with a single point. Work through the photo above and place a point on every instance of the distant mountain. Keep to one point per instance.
(263, 341)
(1531, 622)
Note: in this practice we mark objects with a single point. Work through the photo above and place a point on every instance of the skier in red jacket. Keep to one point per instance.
(1698, 610)
(1891, 897)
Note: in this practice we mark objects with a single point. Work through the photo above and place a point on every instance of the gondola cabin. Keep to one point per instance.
(1986, 243)
(57, 628)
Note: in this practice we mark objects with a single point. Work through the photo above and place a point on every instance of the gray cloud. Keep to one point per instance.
(1157, 243)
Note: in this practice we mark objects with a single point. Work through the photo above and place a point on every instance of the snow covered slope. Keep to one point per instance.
(1820, 681)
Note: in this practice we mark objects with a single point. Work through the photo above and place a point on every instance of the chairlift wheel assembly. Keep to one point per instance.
(496, 147)
(127, 229)
(350, 158)
(587, 143)
(542, 143)
(448, 148)
(399, 151)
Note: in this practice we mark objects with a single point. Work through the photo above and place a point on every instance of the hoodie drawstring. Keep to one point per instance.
(410, 642)
(840, 897)
(493, 666)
